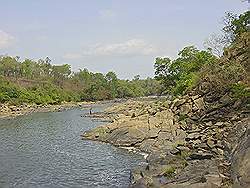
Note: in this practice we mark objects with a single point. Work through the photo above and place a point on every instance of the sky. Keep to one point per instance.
(124, 36)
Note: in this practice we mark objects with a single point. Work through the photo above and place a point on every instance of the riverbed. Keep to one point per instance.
(46, 150)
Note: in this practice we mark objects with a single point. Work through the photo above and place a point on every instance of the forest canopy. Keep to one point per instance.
(40, 82)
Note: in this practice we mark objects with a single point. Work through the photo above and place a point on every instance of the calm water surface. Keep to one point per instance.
(45, 150)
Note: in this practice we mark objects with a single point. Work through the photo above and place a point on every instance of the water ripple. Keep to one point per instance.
(45, 150)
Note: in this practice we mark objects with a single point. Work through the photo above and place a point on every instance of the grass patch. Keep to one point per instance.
(169, 171)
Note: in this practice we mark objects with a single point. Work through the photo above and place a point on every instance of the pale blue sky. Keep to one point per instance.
(108, 35)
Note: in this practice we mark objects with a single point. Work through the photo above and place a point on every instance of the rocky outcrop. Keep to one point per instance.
(240, 156)
(190, 142)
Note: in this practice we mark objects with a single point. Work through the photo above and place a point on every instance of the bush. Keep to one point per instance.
(222, 77)
(240, 91)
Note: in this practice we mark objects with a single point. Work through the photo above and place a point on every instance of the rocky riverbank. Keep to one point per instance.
(9, 111)
(191, 142)
(200, 140)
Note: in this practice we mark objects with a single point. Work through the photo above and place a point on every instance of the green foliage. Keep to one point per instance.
(40, 82)
(49, 94)
(235, 25)
(221, 77)
(182, 117)
(201, 68)
(169, 171)
(182, 74)
(240, 90)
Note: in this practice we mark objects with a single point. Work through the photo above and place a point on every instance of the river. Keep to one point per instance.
(45, 150)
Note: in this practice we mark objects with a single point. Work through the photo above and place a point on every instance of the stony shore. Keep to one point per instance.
(191, 141)
(10, 111)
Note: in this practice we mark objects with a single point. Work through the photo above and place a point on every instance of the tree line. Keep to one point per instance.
(41, 82)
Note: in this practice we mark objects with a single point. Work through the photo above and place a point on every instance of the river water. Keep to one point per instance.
(46, 150)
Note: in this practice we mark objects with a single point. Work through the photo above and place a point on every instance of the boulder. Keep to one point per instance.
(193, 136)
(199, 103)
(177, 102)
(200, 156)
(185, 108)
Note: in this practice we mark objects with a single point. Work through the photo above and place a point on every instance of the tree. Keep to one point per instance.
(182, 73)
(60, 73)
(45, 67)
(111, 77)
(233, 27)
(26, 68)
(216, 44)
(137, 77)
(228, 27)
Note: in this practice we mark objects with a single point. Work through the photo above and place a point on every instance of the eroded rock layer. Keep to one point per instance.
(200, 140)
(190, 143)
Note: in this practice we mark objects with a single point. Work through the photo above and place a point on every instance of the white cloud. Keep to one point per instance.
(132, 47)
(5, 39)
(129, 48)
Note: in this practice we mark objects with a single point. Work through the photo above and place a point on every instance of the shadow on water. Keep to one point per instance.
(45, 150)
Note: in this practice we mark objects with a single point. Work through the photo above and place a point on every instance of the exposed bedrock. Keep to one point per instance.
(191, 143)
